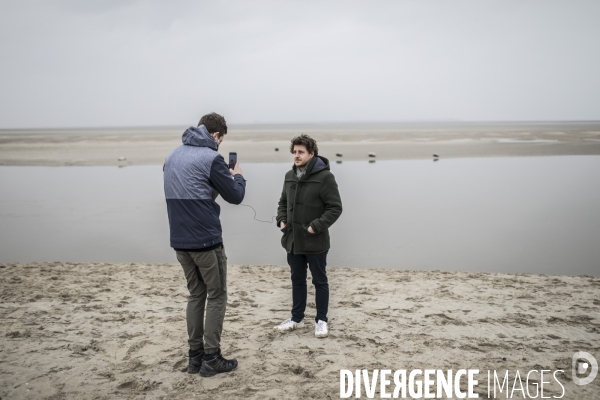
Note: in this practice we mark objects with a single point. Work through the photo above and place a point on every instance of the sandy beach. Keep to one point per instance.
(256, 143)
(107, 331)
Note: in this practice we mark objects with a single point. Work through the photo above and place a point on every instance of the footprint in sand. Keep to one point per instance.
(443, 319)
(135, 347)
(181, 365)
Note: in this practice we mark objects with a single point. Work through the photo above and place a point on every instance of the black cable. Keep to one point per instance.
(259, 220)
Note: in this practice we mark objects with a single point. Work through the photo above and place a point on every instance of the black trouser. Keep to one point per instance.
(317, 264)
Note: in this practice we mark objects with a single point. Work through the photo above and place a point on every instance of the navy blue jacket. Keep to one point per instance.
(194, 175)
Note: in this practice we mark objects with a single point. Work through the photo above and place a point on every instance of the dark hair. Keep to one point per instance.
(306, 141)
(214, 122)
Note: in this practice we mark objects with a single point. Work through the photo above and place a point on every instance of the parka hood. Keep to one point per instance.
(318, 163)
(198, 136)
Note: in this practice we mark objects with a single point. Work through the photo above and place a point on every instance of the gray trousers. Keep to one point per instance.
(206, 275)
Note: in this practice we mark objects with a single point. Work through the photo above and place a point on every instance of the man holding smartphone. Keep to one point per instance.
(194, 175)
(310, 203)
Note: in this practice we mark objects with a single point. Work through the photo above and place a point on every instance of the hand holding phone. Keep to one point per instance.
(234, 167)
(232, 160)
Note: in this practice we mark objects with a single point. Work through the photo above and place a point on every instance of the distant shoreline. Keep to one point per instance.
(257, 143)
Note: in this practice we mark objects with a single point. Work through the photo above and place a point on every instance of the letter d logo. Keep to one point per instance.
(582, 368)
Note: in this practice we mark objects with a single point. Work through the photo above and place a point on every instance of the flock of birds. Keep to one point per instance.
(371, 155)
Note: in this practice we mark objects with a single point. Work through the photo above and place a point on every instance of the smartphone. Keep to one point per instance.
(232, 160)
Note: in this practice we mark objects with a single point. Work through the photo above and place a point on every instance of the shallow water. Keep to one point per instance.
(533, 215)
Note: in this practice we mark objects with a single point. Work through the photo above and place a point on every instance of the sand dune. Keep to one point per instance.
(104, 331)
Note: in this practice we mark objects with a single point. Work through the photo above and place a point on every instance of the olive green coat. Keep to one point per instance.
(313, 200)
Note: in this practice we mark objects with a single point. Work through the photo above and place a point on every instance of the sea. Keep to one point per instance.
(533, 215)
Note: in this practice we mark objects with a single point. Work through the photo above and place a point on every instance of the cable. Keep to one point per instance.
(259, 220)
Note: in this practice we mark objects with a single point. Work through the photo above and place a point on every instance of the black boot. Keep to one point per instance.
(215, 364)
(195, 363)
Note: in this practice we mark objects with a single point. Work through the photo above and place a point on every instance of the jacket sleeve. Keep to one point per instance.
(330, 196)
(232, 189)
(282, 207)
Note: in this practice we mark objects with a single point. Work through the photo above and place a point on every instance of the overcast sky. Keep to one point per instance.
(130, 63)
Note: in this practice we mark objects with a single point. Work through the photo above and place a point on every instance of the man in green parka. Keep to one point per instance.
(310, 203)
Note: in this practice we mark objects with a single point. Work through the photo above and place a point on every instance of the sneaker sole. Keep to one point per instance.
(276, 329)
(321, 336)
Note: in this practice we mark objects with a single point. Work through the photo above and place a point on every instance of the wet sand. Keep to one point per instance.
(105, 331)
(256, 143)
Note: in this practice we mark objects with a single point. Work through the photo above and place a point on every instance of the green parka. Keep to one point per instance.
(313, 200)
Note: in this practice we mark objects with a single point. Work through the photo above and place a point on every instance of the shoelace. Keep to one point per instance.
(286, 323)
(223, 363)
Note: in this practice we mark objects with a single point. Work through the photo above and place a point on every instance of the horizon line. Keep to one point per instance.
(317, 123)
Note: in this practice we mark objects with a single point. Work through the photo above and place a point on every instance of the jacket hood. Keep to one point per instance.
(198, 136)
(318, 163)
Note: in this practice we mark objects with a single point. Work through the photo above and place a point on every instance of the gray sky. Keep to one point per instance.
(126, 63)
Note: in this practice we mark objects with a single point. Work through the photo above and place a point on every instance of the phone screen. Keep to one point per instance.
(232, 160)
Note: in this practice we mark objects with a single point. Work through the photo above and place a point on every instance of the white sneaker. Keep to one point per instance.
(321, 330)
(288, 325)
